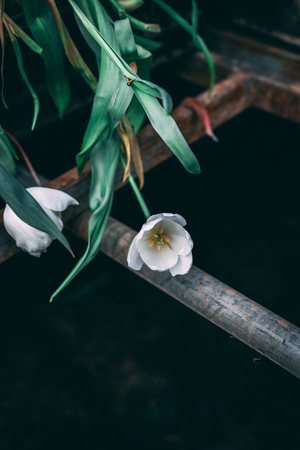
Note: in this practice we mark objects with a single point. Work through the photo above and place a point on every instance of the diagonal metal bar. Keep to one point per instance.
(229, 98)
(243, 318)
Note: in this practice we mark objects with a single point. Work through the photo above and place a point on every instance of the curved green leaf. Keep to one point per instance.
(5, 139)
(192, 30)
(166, 127)
(148, 43)
(112, 97)
(18, 54)
(136, 113)
(6, 153)
(43, 27)
(144, 85)
(126, 40)
(104, 161)
(26, 207)
(72, 53)
(22, 35)
(195, 16)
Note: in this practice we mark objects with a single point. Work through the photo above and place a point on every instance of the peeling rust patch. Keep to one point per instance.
(283, 323)
(207, 278)
(230, 292)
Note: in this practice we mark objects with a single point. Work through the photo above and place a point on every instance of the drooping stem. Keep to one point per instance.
(136, 190)
(26, 159)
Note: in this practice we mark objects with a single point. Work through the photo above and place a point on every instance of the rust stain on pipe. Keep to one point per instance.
(241, 317)
(229, 98)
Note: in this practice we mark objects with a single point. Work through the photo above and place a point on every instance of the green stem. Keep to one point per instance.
(136, 190)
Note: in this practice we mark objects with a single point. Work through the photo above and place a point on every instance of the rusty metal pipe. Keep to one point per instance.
(241, 317)
(229, 98)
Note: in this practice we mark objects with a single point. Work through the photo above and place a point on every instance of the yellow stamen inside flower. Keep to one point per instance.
(159, 239)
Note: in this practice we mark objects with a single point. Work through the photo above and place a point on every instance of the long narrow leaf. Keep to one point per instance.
(3, 49)
(148, 43)
(43, 27)
(22, 35)
(117, 60)
(18, 54)
(7, 143)
(200, 44)
(6, 153)
(195, 16)
(149, 27)
(72, 53)
(112, 97)
(126, 40)
(135, 151)
(26, 207)
(144, 85)
(104, 160)
(166, 127)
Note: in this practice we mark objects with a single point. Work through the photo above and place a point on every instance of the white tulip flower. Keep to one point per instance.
(162, 244)
(30, 239)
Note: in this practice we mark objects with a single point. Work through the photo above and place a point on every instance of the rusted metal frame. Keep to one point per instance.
(228, 99)
(275, 72)
(246, 320)
(241, 317)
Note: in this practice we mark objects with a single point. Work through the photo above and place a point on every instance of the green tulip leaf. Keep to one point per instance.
(144, 85)
(148, 44)
(7, 153)
(22, 35)
(104, 160)
(36, 102)
(166, 127)
(192, 30)
(112, 97)
(43, 27)
(26, 207)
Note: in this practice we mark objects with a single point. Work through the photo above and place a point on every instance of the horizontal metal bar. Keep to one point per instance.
(241, 317)
(229, 98)
(275, 91)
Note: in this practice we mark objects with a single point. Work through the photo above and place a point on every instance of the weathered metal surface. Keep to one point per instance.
(250, 74)
(274, 73)
(277, 97)
(241, 317)
(229, 98)
(245, 52)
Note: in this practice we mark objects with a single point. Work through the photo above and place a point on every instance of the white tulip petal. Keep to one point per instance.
(183, 265)
(36, 254)
(174, 217)
(28, 238)
(55, 217)
(146, 231)
(160, 260)
(134, 260)
(173, 230)
(180, 245)
(52, 198)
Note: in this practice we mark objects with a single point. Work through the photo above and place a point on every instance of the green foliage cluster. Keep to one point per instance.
(124, 95)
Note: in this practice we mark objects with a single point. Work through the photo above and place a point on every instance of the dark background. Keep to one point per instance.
(113, 362)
